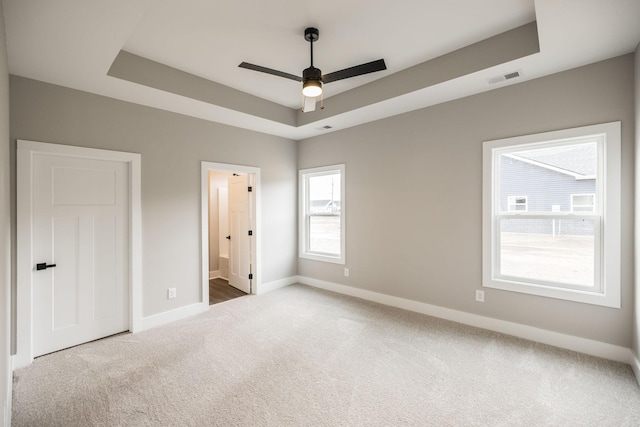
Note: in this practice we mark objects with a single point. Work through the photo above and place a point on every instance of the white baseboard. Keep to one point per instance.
(276, 284)
(7, 411)
(214, 274)
(172, 315)
(6, 416)
(635, 365)
(569, 342)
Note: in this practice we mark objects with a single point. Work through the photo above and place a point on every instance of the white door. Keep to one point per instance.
(80, 224)
(240, 221)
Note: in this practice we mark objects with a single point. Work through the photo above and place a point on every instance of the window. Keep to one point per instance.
(583, 202)
(551, 214)
(322, 214)
(517, 203)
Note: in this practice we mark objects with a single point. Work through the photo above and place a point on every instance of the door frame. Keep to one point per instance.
(24, 262)
(257, 255)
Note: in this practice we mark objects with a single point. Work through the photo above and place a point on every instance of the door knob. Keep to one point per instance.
(44, 266)
(228, 237)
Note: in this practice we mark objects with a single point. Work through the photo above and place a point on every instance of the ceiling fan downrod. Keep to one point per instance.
(311, 35)
(312, 76)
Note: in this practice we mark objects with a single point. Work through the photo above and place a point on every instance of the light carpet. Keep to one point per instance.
(300, 356)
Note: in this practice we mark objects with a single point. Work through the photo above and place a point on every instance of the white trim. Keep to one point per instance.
(556, 339)
(276, 284)
(135, 248)
(205, 167)
(171, 315)
(635, 365)
(9, 392)
(303, 189)
(214, 274)
(606, 291)
(24, 157)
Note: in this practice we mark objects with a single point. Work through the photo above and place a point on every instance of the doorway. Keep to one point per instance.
(230, 224)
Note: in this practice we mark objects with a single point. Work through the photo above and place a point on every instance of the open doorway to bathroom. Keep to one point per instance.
(230, 222)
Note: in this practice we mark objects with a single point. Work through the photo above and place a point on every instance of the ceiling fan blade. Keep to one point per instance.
(369, 67)
(269, 71)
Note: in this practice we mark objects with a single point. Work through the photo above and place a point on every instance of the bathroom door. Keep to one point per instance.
(241, 242)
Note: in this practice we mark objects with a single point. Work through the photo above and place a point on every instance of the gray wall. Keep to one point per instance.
(5, 228)
(636, 323)
(172, 147)
(414, 194)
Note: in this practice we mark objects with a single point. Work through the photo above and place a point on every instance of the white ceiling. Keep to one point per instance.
(73, 43)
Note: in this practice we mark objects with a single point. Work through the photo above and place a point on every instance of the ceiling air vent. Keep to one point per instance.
(504, 77)
(325, 127)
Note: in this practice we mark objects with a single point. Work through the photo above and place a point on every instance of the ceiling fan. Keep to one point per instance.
(312, 78)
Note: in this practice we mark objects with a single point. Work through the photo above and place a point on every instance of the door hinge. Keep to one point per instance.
(250, 276)
(250, 232)
(250, 189)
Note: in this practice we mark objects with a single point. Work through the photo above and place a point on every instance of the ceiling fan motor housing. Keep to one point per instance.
(311, 73)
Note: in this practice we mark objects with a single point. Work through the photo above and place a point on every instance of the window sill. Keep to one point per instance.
(610, 299)
(323, 258)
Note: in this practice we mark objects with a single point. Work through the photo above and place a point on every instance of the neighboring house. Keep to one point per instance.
(320, 207)
(561, 179)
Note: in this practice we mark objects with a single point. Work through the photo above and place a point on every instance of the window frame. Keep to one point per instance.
(304, 215)
(573, 205)
(516, 204)
(607, 234)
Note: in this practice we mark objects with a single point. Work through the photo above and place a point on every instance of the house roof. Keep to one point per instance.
(576, 160)
(183, 56)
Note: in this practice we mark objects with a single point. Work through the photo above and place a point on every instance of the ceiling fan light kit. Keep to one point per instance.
(312, 78)
(312, 88)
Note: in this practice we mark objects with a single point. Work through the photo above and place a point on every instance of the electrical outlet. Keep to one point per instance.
(480, 296)
(346, 272)
(171, 293)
